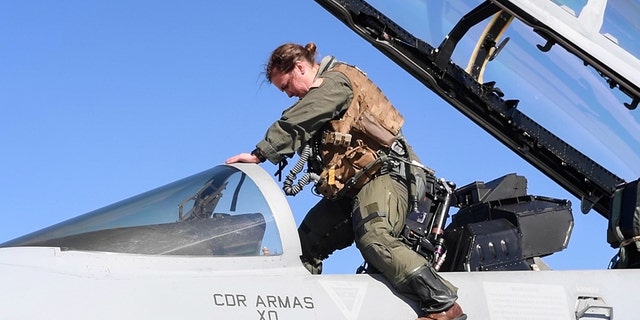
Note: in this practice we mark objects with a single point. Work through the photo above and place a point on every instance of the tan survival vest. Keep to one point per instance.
(350, 145)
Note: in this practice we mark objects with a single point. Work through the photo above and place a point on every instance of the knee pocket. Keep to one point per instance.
(379, 250)
(378, 256)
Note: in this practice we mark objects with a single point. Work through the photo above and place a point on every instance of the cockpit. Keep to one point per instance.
(218, 212)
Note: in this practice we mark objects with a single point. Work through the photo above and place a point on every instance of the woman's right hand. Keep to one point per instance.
(243, 157)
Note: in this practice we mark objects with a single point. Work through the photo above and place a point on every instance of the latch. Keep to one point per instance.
(593, 308)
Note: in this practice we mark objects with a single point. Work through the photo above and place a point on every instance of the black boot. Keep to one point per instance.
(434, 293)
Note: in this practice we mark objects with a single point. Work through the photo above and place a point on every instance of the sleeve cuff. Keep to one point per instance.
(268, 152)
(256, 152)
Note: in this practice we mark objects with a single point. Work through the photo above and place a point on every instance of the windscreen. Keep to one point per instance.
(219, 212)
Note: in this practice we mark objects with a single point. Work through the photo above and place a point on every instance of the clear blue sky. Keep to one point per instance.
(102, 100)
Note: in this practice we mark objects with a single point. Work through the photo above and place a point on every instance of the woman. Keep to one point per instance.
(365, 181)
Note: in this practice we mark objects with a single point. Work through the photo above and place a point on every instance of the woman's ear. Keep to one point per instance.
(301, 67)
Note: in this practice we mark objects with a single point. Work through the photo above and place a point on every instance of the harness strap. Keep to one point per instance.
(629, 241)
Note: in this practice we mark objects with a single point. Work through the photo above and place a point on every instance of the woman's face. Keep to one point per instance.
(295, 83)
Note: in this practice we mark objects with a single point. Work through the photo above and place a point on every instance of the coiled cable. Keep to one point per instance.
(288, 185)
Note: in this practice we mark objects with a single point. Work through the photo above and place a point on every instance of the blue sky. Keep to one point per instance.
(102, 100)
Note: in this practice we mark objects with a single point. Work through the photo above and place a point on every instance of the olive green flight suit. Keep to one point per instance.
(374, 218)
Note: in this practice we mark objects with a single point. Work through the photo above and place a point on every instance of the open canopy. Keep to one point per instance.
(555, 81)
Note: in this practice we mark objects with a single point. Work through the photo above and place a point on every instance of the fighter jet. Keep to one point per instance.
(223, 243)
